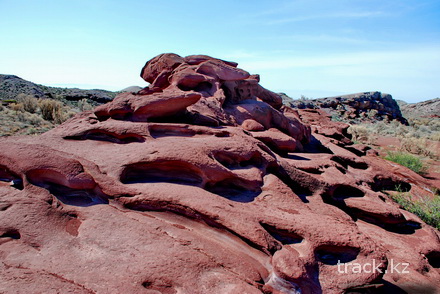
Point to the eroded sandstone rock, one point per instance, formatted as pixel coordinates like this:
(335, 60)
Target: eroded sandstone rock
(203, 183)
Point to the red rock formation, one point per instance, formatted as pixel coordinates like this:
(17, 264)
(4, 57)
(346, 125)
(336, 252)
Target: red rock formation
(204, 183)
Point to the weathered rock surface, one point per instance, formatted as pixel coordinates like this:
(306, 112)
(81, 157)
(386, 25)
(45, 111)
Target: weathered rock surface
(204, 183)
(365, 106)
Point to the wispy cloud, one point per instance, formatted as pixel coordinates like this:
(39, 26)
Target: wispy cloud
(338, 15)
(421, 57)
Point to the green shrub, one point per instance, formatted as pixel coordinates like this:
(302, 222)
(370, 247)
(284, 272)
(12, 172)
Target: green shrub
(427, 209)
(412, 162)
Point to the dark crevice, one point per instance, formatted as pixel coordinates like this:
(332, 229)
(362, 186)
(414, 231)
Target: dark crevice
(393, 225)
(294, 182)
(296, 157)
(13, 234)
(311, 170)
(332, 254)
(49, 180)
(284, 236)
(434, 259)
(388, 184)
(100, 135)
(234, 161)
(10, 177)
(167, 171)
(315, 146)
(345, 191)
(76, 197)
(379, 287)
(4, 206)
(234, 190)
(355, 151)
(157, 131)
(346, 162)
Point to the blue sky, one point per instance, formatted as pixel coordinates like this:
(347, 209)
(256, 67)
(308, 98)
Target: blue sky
(312, 48)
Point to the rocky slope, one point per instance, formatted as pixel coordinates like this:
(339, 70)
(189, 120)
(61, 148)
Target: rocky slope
(11, 86)
(205, 183)
(428, 109)
(364, 106)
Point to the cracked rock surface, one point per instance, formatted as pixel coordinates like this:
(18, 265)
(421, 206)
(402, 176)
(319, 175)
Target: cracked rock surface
(204, 183)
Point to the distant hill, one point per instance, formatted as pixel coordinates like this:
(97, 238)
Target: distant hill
(11, 86)
(428, 108)
(132, 89)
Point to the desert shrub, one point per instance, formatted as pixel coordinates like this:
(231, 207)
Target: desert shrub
(427, 209)
(435, 136)
(410, 161)
(18, 107)
(419, 146)
(372, 113)
(50, 109)
(84, 105)
(30, 103)
(59, 116)
(359, 133)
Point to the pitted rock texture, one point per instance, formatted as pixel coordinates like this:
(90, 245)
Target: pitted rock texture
(365, 106)
(204, 183)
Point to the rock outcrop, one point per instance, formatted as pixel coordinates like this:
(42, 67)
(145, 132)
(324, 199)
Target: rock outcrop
(204, 182)
(365, 106)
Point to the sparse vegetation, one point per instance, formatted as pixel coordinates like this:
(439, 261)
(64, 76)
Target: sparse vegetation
(29, 115)
(359, 133)
(29, 102)
(427, 209)
(412, 162)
